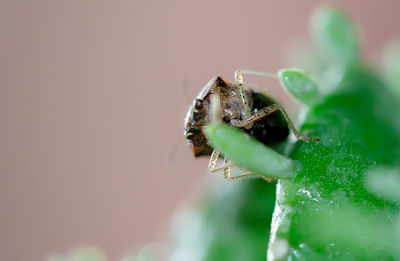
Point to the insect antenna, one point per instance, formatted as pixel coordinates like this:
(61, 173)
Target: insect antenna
(185, 89)
(172, 153)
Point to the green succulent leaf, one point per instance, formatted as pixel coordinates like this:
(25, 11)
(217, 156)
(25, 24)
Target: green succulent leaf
(384, 182)
(336, 36)
(247, 152)
(392, 66)
(300, 85)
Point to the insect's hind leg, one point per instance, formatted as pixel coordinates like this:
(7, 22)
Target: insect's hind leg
(266, 111)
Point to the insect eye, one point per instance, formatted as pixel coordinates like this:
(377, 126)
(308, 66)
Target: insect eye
(189, 135)
(198, 116)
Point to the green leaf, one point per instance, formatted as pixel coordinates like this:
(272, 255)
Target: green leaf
(336, 36)
(392, 66)
(247, 152)
(299, 84)
(363, 231)
(384, 182)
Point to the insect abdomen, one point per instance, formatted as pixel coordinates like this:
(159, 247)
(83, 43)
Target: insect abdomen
(270, 129)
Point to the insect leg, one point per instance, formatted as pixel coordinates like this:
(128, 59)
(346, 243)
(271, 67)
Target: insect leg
(244, 175)
(239, 84)
(264, 113)
(227, 175)
(239, 75)
(226, 166)
(213, 162)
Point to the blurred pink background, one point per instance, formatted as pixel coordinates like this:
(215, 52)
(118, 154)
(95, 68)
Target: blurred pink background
(92, 102)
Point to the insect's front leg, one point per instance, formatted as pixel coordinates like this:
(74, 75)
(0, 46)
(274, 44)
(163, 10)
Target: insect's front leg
(239, 84)
(239, 75)
(244, 175)
(213, 162)
(226, 166)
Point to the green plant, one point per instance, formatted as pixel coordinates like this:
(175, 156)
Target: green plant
(333, 197)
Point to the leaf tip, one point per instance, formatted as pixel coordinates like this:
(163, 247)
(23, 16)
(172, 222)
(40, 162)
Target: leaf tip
(299, 84)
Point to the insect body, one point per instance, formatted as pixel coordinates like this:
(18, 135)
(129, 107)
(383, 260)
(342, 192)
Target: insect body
(243, 108)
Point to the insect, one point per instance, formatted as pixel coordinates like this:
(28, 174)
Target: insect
(243, 108)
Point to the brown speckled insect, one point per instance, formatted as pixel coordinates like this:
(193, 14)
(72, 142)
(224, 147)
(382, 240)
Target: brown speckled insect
(242, 108)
